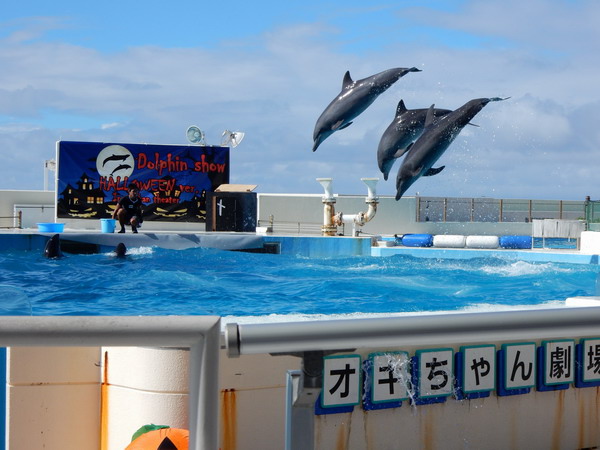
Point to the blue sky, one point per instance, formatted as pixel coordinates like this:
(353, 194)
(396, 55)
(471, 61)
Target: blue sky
(144, 71)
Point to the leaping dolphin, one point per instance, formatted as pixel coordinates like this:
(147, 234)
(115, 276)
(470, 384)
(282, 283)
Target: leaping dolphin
(435, 140)
(355, 97)
(52, 248)
(407, 126)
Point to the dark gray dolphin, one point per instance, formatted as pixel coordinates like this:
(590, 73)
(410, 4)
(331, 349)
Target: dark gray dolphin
(120, 250)
(407, 126)
(355, 97)
(52, 248)
(436, 138)
(115, 158)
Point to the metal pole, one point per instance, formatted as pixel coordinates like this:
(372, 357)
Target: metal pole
(411, 330)
(204, 390)
(560, 209)
(445, 208)
(472, 209)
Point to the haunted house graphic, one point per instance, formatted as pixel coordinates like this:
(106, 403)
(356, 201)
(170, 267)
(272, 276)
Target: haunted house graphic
(84, 201)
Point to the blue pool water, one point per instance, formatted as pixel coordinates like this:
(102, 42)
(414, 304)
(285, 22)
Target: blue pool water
(204, 281)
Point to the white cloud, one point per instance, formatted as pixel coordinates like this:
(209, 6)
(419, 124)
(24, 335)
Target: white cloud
(275, 85)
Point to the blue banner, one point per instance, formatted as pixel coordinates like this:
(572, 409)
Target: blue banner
(173, 179)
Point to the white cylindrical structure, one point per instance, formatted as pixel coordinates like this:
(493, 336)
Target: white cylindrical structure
(449, 240)
(488, 242)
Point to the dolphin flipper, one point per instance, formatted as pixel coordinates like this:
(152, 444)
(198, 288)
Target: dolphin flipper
(433, 171)
(401, 152)
(342, 127)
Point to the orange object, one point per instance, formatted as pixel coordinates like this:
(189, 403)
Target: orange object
(163, 439)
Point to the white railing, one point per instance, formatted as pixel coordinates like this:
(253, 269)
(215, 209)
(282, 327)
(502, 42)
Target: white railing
(410, 330)
(200, 333)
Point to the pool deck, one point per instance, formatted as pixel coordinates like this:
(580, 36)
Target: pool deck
(303, 245)
(529, 255)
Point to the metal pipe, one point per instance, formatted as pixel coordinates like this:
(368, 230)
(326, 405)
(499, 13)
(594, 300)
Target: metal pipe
(411, 330)
(200, 333)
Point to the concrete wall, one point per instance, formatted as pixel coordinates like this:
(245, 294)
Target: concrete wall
(293, 213)
(8, 200)
(83, 399)
(91, 398)
(393, 217)
(53, 398)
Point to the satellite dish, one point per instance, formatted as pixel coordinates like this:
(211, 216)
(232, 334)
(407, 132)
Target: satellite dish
(231, 138)
(195, 135)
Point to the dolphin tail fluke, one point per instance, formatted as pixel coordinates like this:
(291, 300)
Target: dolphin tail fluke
(433, 171)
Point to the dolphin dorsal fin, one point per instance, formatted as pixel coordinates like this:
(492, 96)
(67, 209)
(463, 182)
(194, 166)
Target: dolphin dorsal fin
(430, 116)
(347, 80)
(401, 108)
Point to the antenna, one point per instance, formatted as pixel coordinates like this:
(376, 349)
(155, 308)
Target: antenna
(195, 135)
(231, 138)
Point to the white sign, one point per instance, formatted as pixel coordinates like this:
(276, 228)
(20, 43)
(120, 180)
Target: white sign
(559, 362)
(436, 369)
(341, 381)
(479, 368)
(591, 360)
(390, 377)
(519, 360)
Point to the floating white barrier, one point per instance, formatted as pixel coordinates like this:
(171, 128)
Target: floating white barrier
(449, 240)
(483, 242)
